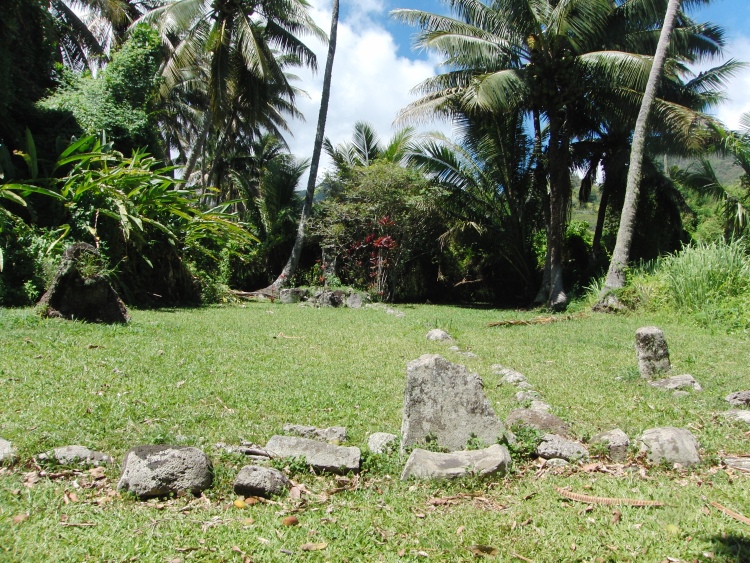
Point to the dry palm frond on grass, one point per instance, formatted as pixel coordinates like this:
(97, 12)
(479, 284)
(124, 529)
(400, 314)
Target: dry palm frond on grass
(732, 513)
(539, 320)
(607, 501)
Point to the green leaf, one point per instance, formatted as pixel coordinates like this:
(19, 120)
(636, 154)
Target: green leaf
(32, 161)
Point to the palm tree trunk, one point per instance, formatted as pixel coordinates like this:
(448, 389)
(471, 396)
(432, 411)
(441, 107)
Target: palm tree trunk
(559, 196)
(621, 255)
(201, 140)
(291, 265)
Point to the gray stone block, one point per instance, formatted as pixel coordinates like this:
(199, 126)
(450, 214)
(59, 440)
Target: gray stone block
(253, 480)
(652, 351)
(423, 464)
(669, 444)
(319, 455)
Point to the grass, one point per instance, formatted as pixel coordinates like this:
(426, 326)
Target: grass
(224, 374)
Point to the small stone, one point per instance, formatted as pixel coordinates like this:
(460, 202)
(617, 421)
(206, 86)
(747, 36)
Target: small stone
(7, 452)
(155, 471)
(331, 434)
(253, 480)
(556, 462)
(738, 463)
(741, 415)
(292, 295)
(539, 406)
(524, 396)
(469, 354)
(331, 298)
(382, 442)
(423, 464)
(554, 446)
(354, 301)
(680, 394)
(617, 442)
(454, 349)
(509, 376)
(437, 334)
(683, 381)
(673, 445)
(652, 351)
(739, 399)
(319, 455)
(538, 419)
(76, 455)
(524, 385)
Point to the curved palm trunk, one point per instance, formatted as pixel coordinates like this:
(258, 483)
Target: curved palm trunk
(198, 147)
(621, 255)
(291, 265)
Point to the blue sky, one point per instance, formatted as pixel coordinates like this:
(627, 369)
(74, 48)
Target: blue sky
(375, 67)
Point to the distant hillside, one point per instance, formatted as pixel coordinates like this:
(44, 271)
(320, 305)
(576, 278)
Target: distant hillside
(726, 170)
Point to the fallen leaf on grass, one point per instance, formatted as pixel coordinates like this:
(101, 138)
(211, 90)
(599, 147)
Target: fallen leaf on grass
(97, 473)
(31, 479)
(483, 550)
(736, 515)
(616, 515)
(460, 530)
(245, 556)
(313, 546)
(180, 384)
(20, 518)
(290, 521)
(264, 541)
(78, 524)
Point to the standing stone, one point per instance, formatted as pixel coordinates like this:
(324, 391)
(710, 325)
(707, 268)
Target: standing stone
(652, 352)
(739, 399)
(442, 400)
(7, 452)
(381, 442)
(354, 301)
(423, 464)
(318, 455)
(253, 480)
(331, 298)
(438, 334)
(156, 471)
(331, 434)
(80, 292)
(76, 455)
(617, 443)
(673, 445)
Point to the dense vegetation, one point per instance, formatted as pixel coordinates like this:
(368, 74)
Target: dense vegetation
(544, 101)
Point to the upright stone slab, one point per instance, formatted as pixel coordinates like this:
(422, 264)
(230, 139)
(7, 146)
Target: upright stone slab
(7, 452)
(673, 445)
(652, 351)
(444, 401)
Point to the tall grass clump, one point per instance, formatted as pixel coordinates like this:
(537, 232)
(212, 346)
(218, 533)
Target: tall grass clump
(710, 281)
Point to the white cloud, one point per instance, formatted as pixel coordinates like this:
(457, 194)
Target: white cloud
(370, 82)
(738, 87)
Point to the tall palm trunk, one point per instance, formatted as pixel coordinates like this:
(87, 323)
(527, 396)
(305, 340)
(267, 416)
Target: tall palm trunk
(198, 147)
(621, 255)
(291, 264)
(559, 198)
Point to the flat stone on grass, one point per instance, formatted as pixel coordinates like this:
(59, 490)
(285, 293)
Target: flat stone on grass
(318, 455)
(684, 381)
(741, 415)
(423, 464)
(671, 445)
(438, 334)
(253, 480)
(554, 446)
(157, 471)
(739, 399)
(443, 401)
(382, 442)
(509, 376)
(332, 434)
(7, 452)
(539, 420)
(76, 455)
(741, 463)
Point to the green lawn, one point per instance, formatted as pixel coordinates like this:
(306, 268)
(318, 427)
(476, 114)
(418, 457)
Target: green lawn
(225, 374)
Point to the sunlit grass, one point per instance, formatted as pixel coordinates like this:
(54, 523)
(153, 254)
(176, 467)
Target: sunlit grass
(197, 377)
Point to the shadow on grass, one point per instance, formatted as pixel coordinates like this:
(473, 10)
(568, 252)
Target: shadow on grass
(731, 547)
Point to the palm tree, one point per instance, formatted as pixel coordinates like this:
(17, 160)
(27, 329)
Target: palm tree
(616, 274)
(291, 265)
(366, 147)
(246, 47)
(544, 58)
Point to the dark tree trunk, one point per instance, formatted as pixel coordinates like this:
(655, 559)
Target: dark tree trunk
(559, 198)
(291, 265)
